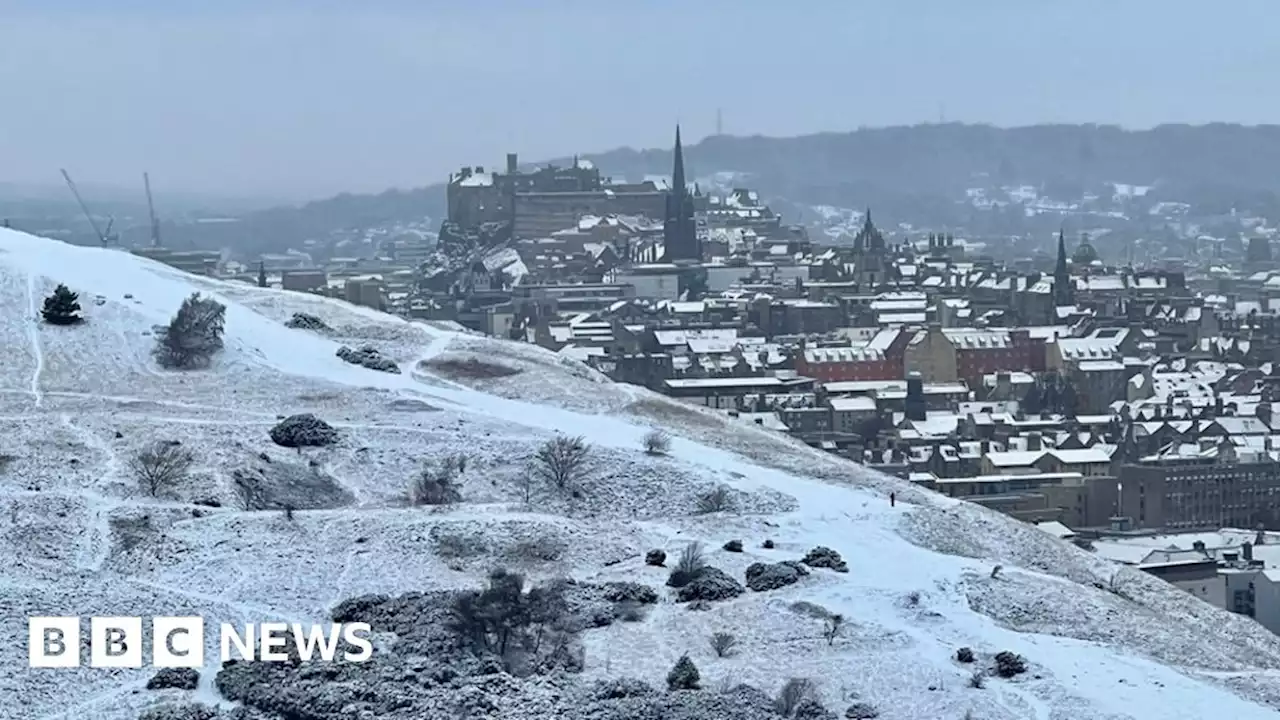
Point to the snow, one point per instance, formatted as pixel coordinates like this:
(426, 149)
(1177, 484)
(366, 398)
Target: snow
(80, 539)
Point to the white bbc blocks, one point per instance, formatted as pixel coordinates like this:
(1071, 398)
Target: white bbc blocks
(116, 642)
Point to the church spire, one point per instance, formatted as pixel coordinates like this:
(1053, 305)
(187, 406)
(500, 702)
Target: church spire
(677, 169)
(680, 231)
(1062, 291)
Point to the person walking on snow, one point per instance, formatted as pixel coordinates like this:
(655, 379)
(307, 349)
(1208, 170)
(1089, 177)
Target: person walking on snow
(893, 499)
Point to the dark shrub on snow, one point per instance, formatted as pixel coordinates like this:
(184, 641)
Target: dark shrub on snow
(305, 430)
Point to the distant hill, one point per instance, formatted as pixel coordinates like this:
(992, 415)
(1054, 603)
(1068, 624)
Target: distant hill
(919, 173)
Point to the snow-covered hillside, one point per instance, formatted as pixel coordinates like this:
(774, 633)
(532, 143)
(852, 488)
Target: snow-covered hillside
(78, 537)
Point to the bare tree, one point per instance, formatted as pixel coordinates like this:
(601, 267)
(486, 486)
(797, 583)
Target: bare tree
(834, 624)
(717, 500)
(438, 485)
(161, 465)
(562, 461)
(657, 442)
(796, 691)
(723, 644)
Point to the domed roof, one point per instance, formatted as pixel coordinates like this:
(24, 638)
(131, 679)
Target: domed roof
(1085, 253)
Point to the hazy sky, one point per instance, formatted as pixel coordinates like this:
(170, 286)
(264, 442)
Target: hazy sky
(311, 98)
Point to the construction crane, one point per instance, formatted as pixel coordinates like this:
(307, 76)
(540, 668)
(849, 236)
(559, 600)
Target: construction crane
(104, 237)
(151, 208)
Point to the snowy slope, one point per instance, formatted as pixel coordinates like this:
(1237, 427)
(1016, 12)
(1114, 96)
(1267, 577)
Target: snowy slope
(78, 538)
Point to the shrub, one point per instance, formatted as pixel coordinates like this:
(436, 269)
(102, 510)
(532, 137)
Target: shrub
(964, 655)
(161, 465)
(524, 630)
(764, 576)
(977, 681)
(913, 598)
(657, 442)
(861, 711)
(691, 563)
(811, 709)
(436, 485)
(710, 584)
(655, 557)
(768, 545)
(723, 644)
(832, 627)
(1009, 664)
(825, 557)
(368, 357)
(684, 675)
(304, 430)
(180, 678)
(193, 335)
(794, 692)
(303, 321)
(733, 546)
(562, 461)
(62, 307)
(717, 500)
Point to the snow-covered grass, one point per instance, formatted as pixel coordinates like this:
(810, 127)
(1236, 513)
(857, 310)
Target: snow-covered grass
(78, 537)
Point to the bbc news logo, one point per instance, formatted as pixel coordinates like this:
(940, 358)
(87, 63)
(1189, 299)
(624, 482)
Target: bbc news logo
(179, 642)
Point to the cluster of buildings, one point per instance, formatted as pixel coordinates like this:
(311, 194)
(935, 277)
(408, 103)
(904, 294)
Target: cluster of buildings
(1131, 410)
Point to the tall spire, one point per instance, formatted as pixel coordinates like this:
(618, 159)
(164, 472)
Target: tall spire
(1062, 291)
(680, 230)
(677, 170)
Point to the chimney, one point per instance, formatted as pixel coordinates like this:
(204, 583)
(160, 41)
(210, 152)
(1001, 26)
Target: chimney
(985, 445)
(1246, 551)
(1033, 442)
(512, 163)
(1004, 384)
(1264, 413)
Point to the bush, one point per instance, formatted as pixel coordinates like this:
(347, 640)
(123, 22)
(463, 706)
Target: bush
(562, 461)
(625, 591)
(161, 465)
(717, 500)
(794, 692)
(861, 711)
(656, 558)
(524, 630)
(657, 442)
(762, 576)
(977, 681)
(723, 644)
(180, 678)
(1009, 664)
(436, 485)
(825, 557)
(684, 675)
(964, 655)
(811, 709)
(687, 568)
(710, 584)
(733, 546)
(304, 430)
(193, 336)
(62, 307)
(303, 321)
(768, 545)
(368, 357)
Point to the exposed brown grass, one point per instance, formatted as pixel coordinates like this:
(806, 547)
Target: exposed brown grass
(471, 368)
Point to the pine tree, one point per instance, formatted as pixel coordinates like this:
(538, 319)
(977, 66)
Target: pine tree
(262, 274)
(62, 307)
(193, 336)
